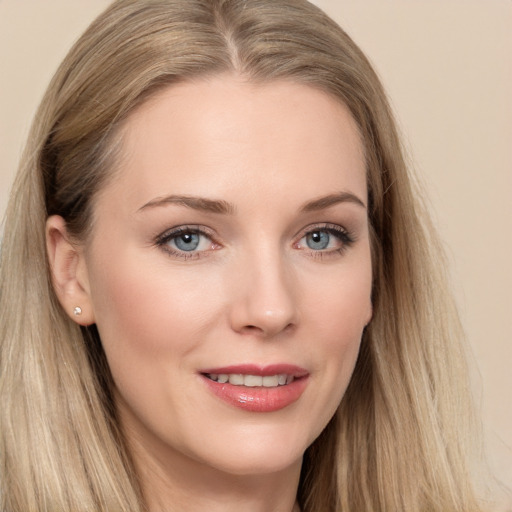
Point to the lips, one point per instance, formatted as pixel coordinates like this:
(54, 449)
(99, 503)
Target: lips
(257, 389)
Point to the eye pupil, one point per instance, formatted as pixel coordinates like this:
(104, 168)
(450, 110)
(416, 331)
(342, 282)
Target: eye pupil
(318, 240)
(187, 241)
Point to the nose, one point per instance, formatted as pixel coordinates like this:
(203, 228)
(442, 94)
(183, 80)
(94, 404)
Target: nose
(265, 302)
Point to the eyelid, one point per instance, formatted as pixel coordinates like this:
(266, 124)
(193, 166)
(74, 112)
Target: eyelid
(162, 240)
(346, 237)
(184, 228)
(323, 226)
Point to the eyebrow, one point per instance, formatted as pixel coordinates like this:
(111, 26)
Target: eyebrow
(196, 203)
(326, 201)
(223, 207)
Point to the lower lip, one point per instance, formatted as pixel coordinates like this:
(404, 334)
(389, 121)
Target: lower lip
(258, 399)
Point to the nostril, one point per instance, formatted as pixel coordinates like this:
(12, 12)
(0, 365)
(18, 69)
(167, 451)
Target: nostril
(252, 328)
(265, 332)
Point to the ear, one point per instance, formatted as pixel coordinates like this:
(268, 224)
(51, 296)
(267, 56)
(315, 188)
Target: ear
(69, 272)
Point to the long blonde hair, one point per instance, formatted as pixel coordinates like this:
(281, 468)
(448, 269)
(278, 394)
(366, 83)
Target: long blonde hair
(401, 437)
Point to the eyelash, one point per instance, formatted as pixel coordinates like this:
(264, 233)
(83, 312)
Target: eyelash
(345, 237)
(163, 240)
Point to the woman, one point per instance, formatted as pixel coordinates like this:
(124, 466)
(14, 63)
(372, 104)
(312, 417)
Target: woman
(219, 288)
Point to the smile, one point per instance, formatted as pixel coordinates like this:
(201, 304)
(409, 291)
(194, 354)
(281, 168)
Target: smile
(254, 388)
(252, 381)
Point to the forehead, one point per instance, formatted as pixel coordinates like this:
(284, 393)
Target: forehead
(224, 134)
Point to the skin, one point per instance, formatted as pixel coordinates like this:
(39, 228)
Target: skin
(254, 291)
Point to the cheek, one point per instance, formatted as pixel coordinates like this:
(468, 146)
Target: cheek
(343, 304)
(339, 315)
(150, 321)
(143, 310)
(339, 330)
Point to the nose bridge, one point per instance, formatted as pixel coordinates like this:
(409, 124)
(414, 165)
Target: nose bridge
(265, 301)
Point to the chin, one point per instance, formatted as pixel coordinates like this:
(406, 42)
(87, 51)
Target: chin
(259, 464)
(254, 452)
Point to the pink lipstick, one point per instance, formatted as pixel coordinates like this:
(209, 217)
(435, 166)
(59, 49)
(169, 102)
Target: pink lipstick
(257, 388)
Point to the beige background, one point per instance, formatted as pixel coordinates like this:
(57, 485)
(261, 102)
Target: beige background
(448, 69)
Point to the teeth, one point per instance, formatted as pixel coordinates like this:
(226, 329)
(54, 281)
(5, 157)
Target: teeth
(251, 381)
(237, 379)
(270, 381)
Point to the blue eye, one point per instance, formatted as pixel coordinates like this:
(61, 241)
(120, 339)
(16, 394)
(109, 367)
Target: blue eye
(318, 240)
(329, 239)
(187, 241)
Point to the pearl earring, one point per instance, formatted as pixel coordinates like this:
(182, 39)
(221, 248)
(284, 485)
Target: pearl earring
(77, 311)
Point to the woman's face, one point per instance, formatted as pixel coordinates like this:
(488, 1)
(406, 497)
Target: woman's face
(229, 272)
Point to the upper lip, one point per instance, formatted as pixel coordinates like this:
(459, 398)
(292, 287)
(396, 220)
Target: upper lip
(263, 371)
